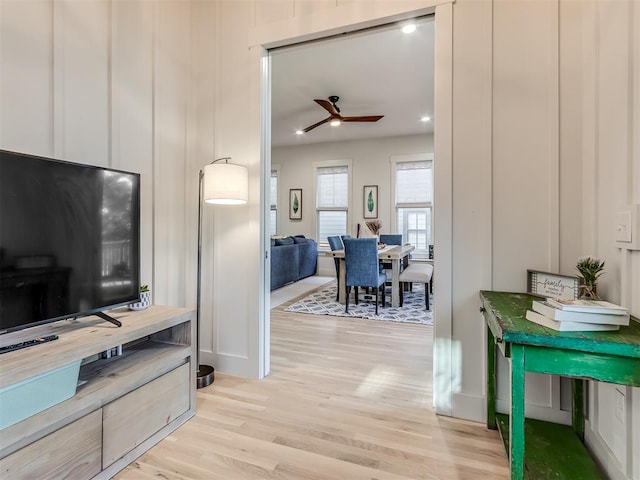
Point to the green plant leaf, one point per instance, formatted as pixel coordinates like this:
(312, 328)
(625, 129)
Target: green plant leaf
(296, 204)
(370, 204)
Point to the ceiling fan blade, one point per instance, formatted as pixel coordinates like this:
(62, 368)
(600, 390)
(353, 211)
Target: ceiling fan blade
(328, 106)
(369, 118)
(317, 124)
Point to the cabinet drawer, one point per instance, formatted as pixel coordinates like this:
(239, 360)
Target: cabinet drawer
(132, 419)
(69, 453)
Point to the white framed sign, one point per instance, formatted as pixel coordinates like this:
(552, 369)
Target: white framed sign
(552, 284)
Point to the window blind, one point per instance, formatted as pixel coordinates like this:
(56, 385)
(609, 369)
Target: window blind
(414, 183)
(332, 184)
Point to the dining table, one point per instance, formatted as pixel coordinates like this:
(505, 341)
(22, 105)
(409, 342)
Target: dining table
(397, 255)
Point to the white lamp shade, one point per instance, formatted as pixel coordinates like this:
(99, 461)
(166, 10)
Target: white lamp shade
(226, 184)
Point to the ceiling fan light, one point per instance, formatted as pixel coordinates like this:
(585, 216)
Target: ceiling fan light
(334, 119)
(409, 28)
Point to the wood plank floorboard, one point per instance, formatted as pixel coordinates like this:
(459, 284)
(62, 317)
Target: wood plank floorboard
(346, 399)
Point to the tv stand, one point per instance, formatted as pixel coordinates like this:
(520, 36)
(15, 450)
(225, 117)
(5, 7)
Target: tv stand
(108, 318)
(123, 405)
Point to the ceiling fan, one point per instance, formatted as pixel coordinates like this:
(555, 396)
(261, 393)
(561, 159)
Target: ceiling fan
(331, 107)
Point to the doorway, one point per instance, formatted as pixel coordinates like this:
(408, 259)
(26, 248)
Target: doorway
(443, 372)
(393, 77)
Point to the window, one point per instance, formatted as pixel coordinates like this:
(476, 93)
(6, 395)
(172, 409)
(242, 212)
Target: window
(413, 201)
(273, 213)
(332, 200)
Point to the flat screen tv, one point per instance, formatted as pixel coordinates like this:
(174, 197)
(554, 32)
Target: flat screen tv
(69, 240)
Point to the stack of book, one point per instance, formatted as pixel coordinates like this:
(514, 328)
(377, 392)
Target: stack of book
(578, 315)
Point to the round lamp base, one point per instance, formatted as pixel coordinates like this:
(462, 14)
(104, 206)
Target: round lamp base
(204, 376)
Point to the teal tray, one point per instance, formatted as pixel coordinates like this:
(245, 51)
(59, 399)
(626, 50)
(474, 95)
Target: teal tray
(28, 397)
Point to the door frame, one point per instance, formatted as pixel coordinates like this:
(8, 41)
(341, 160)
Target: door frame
(288, 33)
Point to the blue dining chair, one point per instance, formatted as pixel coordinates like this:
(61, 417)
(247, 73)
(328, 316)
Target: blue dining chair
(390, 239)
(361, 264)
(335, 243)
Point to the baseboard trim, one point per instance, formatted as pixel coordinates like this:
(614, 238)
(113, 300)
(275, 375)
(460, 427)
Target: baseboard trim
(468, 407)
(603, 454)
(537, 412)
(473, 407)
(228, 364)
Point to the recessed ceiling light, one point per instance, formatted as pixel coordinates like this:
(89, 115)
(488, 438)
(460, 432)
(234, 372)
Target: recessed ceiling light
(409, 28)
(299, 132)
(334, 123)
(425, 119)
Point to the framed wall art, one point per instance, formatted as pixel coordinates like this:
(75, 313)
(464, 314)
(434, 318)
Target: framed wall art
(370, 201)
(552, 284)
(295, 204)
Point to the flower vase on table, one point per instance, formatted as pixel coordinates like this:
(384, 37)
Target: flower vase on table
(589, 292)
(590, 268)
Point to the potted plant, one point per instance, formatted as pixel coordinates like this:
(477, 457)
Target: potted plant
(590, 268)
(145, 299)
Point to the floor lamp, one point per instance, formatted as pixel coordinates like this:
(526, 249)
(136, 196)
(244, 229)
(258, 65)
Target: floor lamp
(223, 184)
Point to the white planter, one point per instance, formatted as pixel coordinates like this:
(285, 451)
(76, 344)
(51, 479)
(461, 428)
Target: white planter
(145, 301)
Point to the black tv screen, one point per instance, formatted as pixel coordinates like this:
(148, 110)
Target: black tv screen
(69, 239)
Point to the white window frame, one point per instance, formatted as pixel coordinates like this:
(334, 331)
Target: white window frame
(347, 162)
(394, 160)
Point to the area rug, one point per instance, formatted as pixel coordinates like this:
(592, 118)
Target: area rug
(323, 302)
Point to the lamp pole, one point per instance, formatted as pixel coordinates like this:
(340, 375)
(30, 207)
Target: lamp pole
(205, 373)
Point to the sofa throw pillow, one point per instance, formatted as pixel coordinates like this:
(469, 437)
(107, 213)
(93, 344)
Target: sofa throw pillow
(284, 241)
(299, 239)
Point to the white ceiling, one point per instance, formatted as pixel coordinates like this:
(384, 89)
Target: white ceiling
(376, 72)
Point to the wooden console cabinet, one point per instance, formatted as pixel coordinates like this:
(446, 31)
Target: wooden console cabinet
(123, 405)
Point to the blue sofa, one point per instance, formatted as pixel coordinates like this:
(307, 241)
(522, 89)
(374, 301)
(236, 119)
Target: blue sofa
(292, 258)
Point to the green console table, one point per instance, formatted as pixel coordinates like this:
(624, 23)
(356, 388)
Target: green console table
(552, 450)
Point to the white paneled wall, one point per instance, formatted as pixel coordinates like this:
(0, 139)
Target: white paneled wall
(546, 148)
(202, 134)
(132, 125)
(471, 211)
(536, 168)
(571, 51)
(525, 161)
(26, 77)
(107, 83)
(82, 85)
(611, 146)
(171, 77)
(526, 165)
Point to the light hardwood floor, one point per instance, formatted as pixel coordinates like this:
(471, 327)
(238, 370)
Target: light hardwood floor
(346, 399)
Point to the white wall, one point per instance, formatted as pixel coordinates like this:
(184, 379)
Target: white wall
(611, 180)
(107, 83)
(536, 168)
(546, 148)
(371, 165)
(526, 191)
